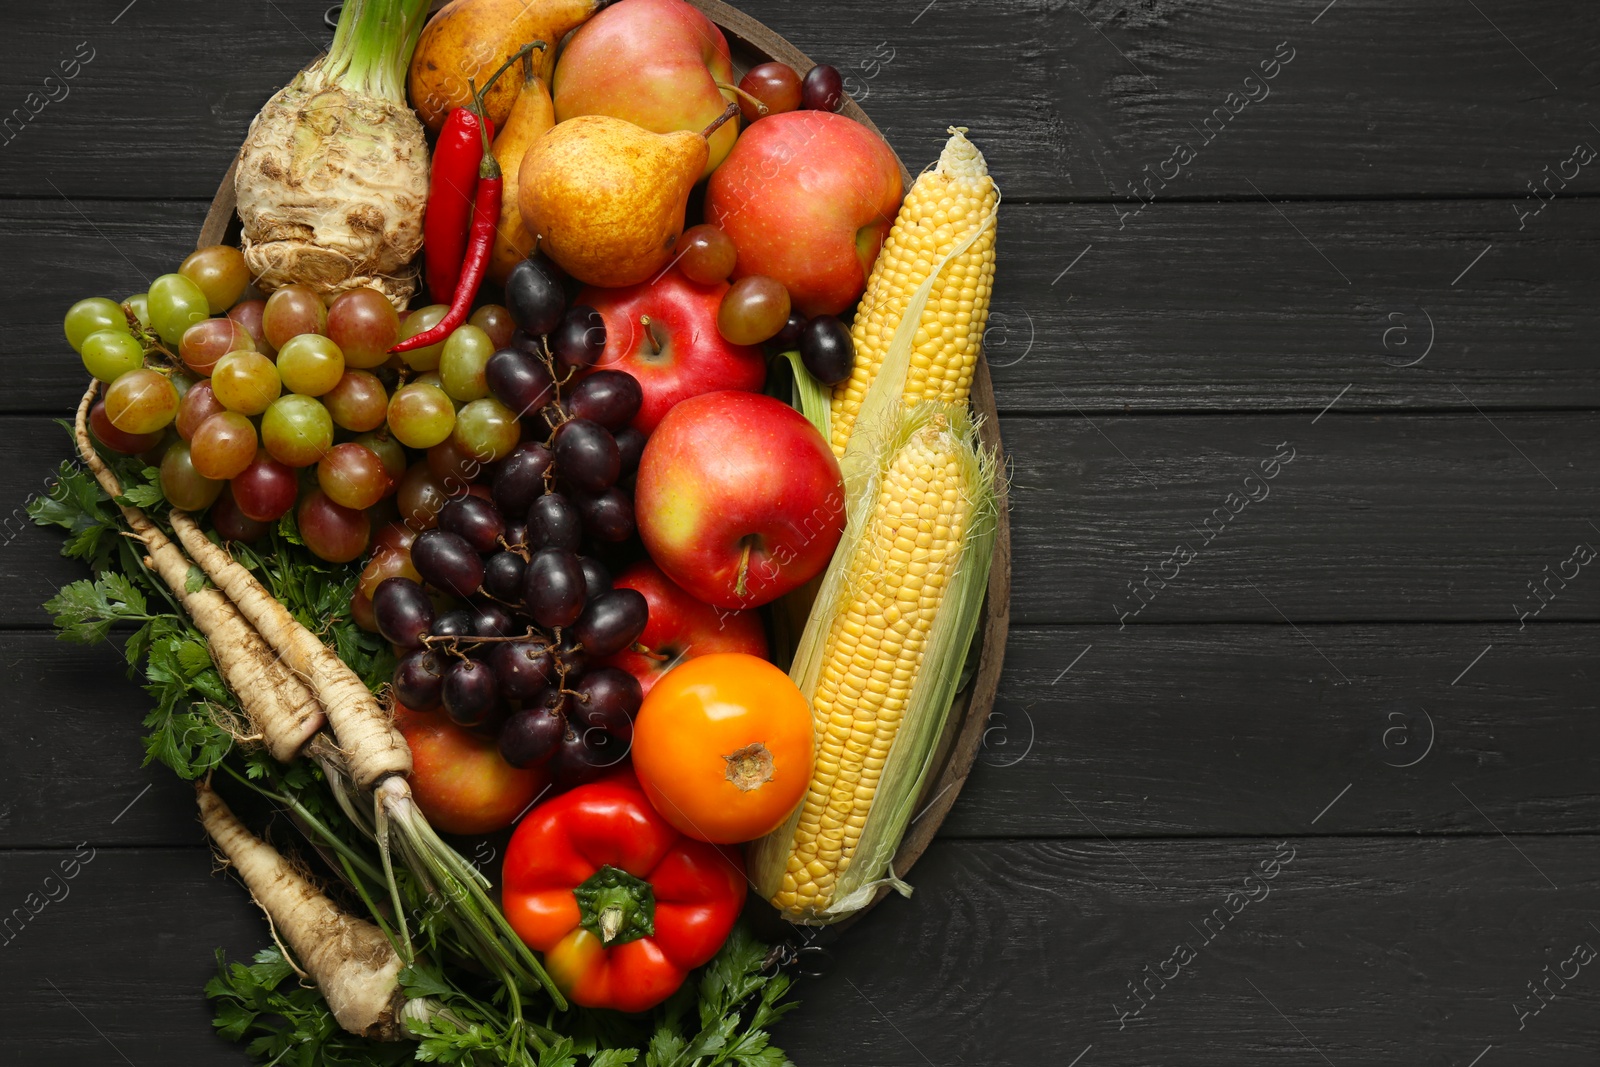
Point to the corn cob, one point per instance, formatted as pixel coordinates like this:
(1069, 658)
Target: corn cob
(946, 229)
(880, 657)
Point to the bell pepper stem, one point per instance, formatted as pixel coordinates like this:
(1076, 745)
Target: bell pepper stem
(616, 906)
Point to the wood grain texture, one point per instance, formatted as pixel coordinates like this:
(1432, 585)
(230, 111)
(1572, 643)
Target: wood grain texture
(1138, 388)
(1189, 307)
(1222, 307)
(1377, 518)
(1069, 100)
(1156, 731)
(112, 972)
(1215, 730)
(1380, 951)
(71, 754)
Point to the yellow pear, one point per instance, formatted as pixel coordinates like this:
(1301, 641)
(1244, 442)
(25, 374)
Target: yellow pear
(532, 116)
(606, 198)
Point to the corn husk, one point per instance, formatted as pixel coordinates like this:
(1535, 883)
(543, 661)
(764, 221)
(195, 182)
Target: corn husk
(938, 676)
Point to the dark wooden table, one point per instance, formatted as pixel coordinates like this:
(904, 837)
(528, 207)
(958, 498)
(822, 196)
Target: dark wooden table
(1295, 758)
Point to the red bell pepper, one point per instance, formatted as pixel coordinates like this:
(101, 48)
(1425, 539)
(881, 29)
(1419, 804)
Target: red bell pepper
(622, 905)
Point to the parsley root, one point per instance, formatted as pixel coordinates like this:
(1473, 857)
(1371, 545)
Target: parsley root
(279, 706)
(355, 967)
(373, 747)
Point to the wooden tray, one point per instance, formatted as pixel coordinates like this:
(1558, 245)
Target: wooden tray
(753, 43)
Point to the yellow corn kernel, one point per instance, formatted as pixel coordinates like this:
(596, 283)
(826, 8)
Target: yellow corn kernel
(943, 207)
(894, 586)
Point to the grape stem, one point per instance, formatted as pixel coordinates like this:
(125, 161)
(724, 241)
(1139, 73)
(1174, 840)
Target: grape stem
(151, 343)
(516, 550)
(761, 109)
(451, 641)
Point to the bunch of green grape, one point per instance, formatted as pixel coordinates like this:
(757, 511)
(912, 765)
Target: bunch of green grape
(252, 407)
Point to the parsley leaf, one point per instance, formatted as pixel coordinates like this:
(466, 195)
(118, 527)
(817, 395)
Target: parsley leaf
(85, 610)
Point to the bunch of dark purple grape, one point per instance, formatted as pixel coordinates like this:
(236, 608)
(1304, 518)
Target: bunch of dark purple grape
(517, 610)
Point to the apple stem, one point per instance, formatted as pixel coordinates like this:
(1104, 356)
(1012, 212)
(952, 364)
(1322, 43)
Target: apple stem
(656, 343)
(649, 653)
(761, 109)
(739, 587)
(729, 112)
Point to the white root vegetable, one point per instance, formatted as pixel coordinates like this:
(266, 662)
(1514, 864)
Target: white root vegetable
(333, 175)
(279, 706)
(373, 748)
(355, 967)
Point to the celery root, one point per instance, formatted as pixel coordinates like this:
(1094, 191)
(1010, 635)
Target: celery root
(355, 967)
(279, 706)
(333, 175)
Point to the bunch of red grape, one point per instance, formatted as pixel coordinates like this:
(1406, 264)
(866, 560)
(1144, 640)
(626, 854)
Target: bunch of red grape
(501, 606)
(252, 406)
(492, 466)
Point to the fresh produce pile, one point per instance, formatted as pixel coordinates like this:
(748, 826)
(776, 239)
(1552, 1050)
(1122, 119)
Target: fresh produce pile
(659, 539)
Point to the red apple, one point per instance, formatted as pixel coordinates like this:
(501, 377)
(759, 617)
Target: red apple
(459, 780)
(681, 627)
(808, 198)
(664, 333)
(739, 499)
(655, 63)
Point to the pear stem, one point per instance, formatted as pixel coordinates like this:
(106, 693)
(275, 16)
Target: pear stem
(523, 53)
(761, 109)
(729, 112)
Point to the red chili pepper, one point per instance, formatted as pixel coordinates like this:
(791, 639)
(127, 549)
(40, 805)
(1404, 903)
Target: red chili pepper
(475, 263)
(457, 159)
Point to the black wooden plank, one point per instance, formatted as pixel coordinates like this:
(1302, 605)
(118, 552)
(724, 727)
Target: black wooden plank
(1153, 731)
(1190, 307)
(70, 752)
(1377, 518)
(31, 566)
(1212, 730)
(111, 970)
(1360, 109)
(1068, 100)
(59, 253)
(162, 103)
(1365, 951)
(1377, 950)
(1233, 306)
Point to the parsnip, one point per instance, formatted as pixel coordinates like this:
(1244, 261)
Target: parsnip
(355, 967)
(279, 706)
(373, 747)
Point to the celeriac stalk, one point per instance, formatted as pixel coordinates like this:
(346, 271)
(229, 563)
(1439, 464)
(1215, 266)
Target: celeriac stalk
(333, 175)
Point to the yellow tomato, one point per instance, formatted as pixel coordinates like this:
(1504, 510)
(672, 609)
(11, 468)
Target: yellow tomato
(723, 747)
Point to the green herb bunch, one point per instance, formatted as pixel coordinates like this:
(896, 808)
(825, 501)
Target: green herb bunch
(195, 728)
